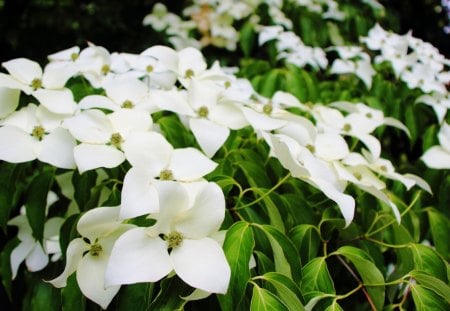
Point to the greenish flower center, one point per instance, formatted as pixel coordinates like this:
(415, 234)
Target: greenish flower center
(347, 127)
(174, 239)
(149, 68)
(74, 56)
(96, 249)
(369, 115)
(36, 84)
(311, 148)
(128, 104)
(203, 112)
(166, 175)
(383, 168)
(38, 132)
(189, 73)
(116, 140)
(267, 109)
(105, 69)
(227, 84)
(357, 175)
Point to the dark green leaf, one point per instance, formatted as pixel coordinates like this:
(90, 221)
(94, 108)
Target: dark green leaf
(262, 300)
(440, 231)
(169, 297)
(71, 297)
(316, 277)
(288, 292)
(83, 185)
(434, 284)
(428, 260)
(307, 240)
(247, 38)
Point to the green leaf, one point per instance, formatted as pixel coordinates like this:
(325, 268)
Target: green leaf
(36, 201)
(316, 277)
(295, 84)
(269, 83)
(425, 299)
(175, 132)
(368, 271)
(334, 307)
(169, 297)
(134, 297)
(5, 265)
(247, 38)
(255, 173)
(285, 255)
(238, 247)
(83, 184)
(68, 232)
(428, 260)
(7, 188)
(434, 284)
(262, 300)
(71, 297)
(288, 292)
(440, 231)
(307, 240)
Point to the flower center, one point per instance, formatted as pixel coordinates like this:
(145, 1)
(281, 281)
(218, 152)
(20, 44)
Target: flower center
(116, 140)
(203, 112)
(369, 115)
(174, 239)
(36, 84)
(128, 104)
(38, 132)
(267, 109)
(357, 175)
(166, 175)
(347, 127)
(189, 73)
(96, 249)
(149, 68)
(105, 69)
(311, 148)
(74, 56)
(227, 84)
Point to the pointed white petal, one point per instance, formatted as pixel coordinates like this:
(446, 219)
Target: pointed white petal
(189, 164)
(9, 82)
(139, 195)
(19, 254)
(172, 100)
(74, 254)
(372, 143)
(91, 279)
(437, 157)
(56, 75)
(90, 126)
(331, 146)
(210, 136)
(396, 123)
(23, 69)
(99, 222)
(202, 264)
(16, 146)
(205, 216)
(97, 101)
(37, 259)
(121, 90)
(136, 257)
(57, 149)
(261, 121)
(88, 157)
(9, 99)
(57, 101)
(229, 115)
(127, 121)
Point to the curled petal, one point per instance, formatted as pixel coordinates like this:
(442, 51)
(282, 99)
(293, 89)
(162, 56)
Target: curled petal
(88, 157)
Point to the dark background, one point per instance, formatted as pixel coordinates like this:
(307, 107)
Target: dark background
(36, 28)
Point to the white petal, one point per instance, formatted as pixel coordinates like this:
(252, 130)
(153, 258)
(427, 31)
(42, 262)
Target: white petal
(189, 164)
(19, 254)
(261, 121)
(437, 157)
(331, 146)
(57, 101)
(91, 279)
(190, 59)
(139, 195)
(202, 93)
(172, 100)
(206, 215)
(98, 222)
(210, 136)
(126, 121)
(37, 259)
(121, 90)
(56, 75)
(166, 56)
(9, 99)
(88, 157)
(148, 150)
(229, 115)
(90, 126)
(9, 82)
(23, 69)
(202, 264)
(57, 149)
(396, 123)
(137, 257)
(97, 101)
(74, 254)
(372, 143)
(16, 146)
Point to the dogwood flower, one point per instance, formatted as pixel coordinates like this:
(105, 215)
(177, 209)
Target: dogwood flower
(438, 157)
(142, 255)
(9, 99)
(89, 255)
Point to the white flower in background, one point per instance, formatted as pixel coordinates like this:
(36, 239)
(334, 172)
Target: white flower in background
(46, 86)
(438, 101)
(160, 18)
(424, 77)
(438, 157)
(102, 136)
(186, 246)
(29, 249)
(89, 254)
(353, 60)
(34, 132)
(269, 33)
(9, 100)
(154, 159)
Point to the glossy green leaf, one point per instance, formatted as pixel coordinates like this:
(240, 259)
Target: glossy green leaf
(334, 307)
(371, 277)
(169, 296)
(434, 284)
(36, 201)
(440, 231)
(134, 297)
(425, 299)
(238, 247)
(316, 277)
(288, 292)
(428, 260)
(5, 265)
(247, 38)
(285, 255)
(71, 297)
(83, 185)
(264, 300)
(7, 188)
(269, 83)
(307, 240)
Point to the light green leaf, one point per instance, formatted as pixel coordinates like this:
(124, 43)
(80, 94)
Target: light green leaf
(262, 300)
(307, 240)
(288, 292)
(371, 277)
(428, 260)
(238, 247)
(314, 298)
(433, 284)
(440, 231)
(316, 277)
(334, 307)
(425, 299)
(247, 38)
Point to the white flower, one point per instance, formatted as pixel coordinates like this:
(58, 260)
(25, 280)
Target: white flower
(141, 255)
(438, 101)
(89, 255)
(438, 157)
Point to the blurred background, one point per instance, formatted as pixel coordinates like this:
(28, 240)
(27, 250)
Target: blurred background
(36, 28)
